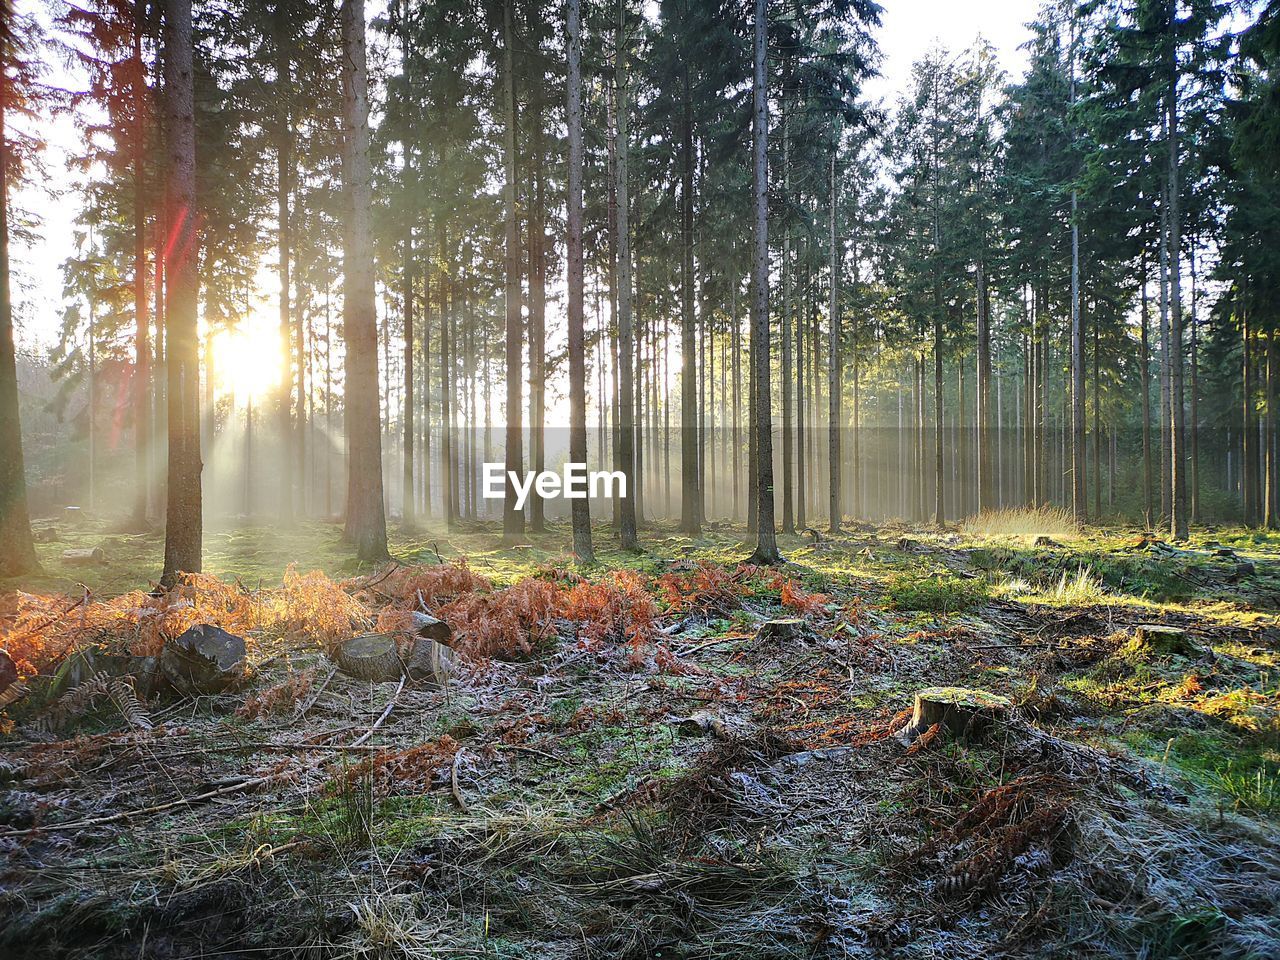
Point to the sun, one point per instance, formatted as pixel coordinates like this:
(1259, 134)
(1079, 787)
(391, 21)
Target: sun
(246, 364)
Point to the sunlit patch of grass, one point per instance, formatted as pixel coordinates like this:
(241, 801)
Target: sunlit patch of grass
(1257, 791)
(1029, 522)
(938, 594)
(1083, 589)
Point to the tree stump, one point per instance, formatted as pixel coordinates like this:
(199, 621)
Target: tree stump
(11, 687)
(1160, 639)
(430, 628)
(376, 657)
(83, 556)
(957, 710)
(787, 628)
(205, 659)
(430, 663)
(370, 656)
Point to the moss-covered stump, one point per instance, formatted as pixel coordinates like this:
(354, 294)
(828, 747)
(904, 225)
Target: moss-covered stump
(957, 710)
(205, 659)
(1156, 638)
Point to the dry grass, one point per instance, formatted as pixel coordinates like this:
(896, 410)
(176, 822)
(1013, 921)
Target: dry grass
(1027, 522)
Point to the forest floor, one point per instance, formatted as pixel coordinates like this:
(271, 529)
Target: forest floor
(655, 768)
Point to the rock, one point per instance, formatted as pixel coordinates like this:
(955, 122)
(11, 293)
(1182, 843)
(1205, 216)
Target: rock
(78, 556)
(699, 723)
(787, 628)
(1161, 639)
(958, 710)
(205, 659)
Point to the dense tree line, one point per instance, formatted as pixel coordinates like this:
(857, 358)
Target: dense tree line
(751, 288)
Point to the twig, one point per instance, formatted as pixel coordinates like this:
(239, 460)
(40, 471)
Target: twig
(385, 713)
(312, 702)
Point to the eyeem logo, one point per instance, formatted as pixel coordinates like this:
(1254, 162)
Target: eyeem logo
(574, 482)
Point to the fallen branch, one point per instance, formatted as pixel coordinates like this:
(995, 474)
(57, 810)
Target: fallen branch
(385, 713)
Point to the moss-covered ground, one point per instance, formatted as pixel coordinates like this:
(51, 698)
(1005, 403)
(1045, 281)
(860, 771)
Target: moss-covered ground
(741, 795)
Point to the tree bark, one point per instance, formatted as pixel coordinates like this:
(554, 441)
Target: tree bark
(766, 551)
(835, 509)
(183, 521)
(580, 508)
(512, 519)
(626, 332)
(366, 526)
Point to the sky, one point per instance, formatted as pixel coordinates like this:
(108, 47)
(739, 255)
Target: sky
(908, 29)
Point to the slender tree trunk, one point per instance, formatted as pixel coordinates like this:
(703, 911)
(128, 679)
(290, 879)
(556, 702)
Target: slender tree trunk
(184, 522)
(284, 186)
(626, 331)
(788, 467)
(366, 526)
(580, 508)
(141, 306)
(17, 549)
(835, 508)
(1145, 374)
(408, 497)
(690, 521)
(766, 551)
(537, 317)
(1272, 499)
(512, 519)
(1079, 474)
(1179, 526)
(1248, 431)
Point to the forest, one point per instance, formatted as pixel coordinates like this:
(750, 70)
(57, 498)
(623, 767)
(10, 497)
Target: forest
(639, 478)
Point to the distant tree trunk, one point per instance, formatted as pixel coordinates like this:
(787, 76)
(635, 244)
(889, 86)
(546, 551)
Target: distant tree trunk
(141, 305)
(366, 525)
(512, 519)
(1193, 427)
(1166, 365)
(766, 551)
(690, 521)
(986, 475)
(183, 521)
(284, 174)
(626, 331)
(788, 467)
(537, 312)
(1248, 429)
(408, 496)
(736, 429)
(835, 510)
(1097, 420)
(580, 508)
(17, 550)
(1079, 490)
(1272, 466)
(1145, 374)
(1179, 526)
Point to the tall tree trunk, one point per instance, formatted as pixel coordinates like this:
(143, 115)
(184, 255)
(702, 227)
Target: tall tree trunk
(690, 521)
(580, 508)
(284, 175)
(766, 551)
(1079, 475)
(1145, 374)
(788, 468)
(17, 549)
(183, 522)
(512, 519)
(537, 310)
(626, 332)
(1178, 520)
(835, 508)
(366, 526)
(141, 306)
(1248, 429)
(986, 486)
(408, 498)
